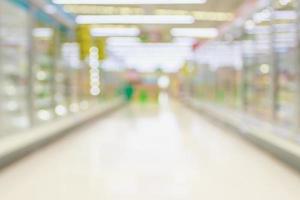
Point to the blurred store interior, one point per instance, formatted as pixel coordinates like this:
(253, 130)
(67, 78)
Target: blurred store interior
(149, 99)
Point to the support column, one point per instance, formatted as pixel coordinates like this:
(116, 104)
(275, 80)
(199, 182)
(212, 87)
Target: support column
(1, 80)
(56, 57)
(274, 89)
(244, 83)
(297, 102)
(30, 96)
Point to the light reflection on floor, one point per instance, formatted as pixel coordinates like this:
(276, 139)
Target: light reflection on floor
(147, 152)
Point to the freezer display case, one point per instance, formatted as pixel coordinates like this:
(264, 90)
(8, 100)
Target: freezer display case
(285, 49)
(43, 71)
(65, 59)
(258, 63)
(219, 79)
(13, 67)
(72, 63)
(228, 73)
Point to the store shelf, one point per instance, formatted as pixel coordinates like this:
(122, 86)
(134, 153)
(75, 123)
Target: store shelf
(277, 140)
(19, 145)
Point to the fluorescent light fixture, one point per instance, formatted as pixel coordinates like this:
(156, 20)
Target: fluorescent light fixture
(284, 2)
(249, 25)
(134, 19)
(104, 10)
(130, 2)
(122, 40)
(262, 16)
(42, 32)
(50, 9)
(184, 40)
(195, 32)
(285, 15)
(106, 32)
(139, 10)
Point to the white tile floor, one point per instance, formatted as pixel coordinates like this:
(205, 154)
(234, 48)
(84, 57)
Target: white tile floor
(150, 153)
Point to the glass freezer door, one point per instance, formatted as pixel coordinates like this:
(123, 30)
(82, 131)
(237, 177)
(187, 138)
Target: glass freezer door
(13, 67)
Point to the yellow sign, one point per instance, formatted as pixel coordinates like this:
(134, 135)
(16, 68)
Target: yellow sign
(101, 44)
(85, 40)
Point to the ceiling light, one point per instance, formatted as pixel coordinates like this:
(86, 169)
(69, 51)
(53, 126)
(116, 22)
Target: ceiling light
(249, 25)
(195, 32)
(262, 16)
(122, 40)
(284, 2)
(285, 15)
(50, 9)
(42, 32)
(106, 32)
(184, 40)
(213, 16)
(134, 19)
(130, 2)
(103, 10)
(199, 15)
(121, 10)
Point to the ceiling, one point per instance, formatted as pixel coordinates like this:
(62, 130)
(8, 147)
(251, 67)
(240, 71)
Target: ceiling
(164, 53)
(211, 14)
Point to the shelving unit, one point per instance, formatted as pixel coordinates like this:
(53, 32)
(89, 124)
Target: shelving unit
(43, 68)
(14, 66)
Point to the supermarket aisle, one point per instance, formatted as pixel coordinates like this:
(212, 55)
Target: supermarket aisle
(147, 152)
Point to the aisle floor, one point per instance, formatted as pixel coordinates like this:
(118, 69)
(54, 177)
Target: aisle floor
(150, 152)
